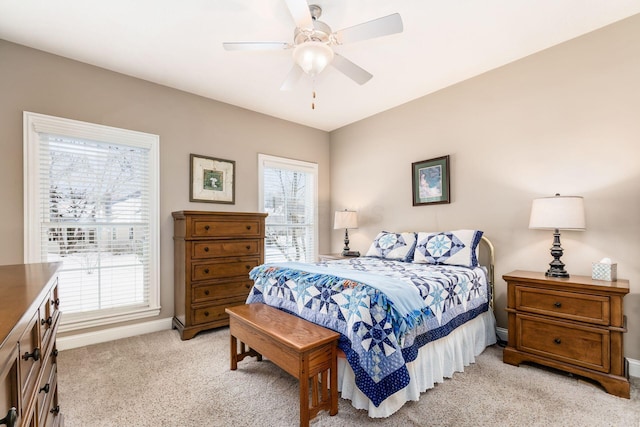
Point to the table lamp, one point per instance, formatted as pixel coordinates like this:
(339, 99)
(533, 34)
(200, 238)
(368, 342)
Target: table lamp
(346, 219)
(557, 213)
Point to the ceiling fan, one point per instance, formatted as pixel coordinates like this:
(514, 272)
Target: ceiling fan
(313, 42)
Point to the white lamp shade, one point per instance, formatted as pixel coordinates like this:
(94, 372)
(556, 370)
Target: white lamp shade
(558, 212)
(345, 219)
(313, 56)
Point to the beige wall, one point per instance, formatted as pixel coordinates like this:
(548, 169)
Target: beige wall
(35, 81)
(564, 120)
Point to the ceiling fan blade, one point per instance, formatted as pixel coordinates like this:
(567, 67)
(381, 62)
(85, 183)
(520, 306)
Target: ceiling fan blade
(292, 78)
(384, 26)
(351, 70)
(255, 45)
(300, 12)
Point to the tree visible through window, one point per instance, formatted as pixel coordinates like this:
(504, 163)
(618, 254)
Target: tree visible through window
(289, 196)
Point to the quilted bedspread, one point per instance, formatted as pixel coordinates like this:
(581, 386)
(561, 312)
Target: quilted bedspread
(378, 333)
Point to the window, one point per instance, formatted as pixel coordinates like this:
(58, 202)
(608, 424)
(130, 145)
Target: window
(91, 202)
(288, 193)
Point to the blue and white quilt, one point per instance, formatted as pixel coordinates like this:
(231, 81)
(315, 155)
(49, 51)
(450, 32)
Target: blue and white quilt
(384, 310)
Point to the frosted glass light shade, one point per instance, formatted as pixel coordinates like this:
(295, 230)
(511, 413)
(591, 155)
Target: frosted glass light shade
(558, 212)
(312, 56)
(345, 219)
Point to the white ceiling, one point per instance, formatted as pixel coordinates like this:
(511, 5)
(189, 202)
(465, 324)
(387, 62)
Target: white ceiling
(179, 44)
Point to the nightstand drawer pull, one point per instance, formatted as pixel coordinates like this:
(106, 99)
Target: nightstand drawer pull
(206, 248)
(557, 305)
(206, 227)
(557, 341)
(248, 227)
(206, 292)
(206, 271)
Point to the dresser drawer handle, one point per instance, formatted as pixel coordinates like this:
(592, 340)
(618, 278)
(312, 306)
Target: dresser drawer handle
(248, 247)
(206, 292)
(206, 227)
(55, 410)
(206, 314)
(248, 227)
(54, 353)
(248, 267)
(206, 271)
(35, 355)
(206, 248)
(557, 305)
(557, 341)
(55, 302)
(11, 420)
(45, 388)
(48, 321)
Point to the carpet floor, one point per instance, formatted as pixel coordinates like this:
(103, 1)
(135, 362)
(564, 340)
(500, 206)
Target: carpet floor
(158, 380)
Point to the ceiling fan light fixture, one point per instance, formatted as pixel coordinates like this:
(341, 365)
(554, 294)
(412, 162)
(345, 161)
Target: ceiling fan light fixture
(313, 56)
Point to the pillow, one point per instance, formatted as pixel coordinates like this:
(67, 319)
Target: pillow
(395, 246)
(458, 247)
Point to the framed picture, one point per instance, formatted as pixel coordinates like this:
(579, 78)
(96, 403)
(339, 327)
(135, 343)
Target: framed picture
(430, 179)
(212, 180)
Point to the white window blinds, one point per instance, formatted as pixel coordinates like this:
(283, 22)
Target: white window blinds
(288, 193)
(95, 206)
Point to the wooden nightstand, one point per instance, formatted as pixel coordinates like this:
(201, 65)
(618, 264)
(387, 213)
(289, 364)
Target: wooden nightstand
(329, 257)
(573, 324)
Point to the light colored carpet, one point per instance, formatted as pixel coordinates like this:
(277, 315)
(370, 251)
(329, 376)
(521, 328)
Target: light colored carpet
(158, 380)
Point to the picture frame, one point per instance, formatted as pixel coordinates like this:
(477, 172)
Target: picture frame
(430, 180)
(213, 180)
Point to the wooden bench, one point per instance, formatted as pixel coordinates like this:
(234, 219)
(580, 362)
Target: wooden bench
(301, 348)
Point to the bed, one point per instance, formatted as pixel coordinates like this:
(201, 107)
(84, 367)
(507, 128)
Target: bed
(414, 310)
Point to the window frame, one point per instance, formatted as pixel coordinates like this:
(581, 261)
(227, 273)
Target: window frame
(35, 123)
(266, 160)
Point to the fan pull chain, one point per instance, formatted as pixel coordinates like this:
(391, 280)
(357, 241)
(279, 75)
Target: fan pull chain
(313, 96)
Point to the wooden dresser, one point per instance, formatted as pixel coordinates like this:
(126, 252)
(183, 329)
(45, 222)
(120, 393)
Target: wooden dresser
(574, 324)
(28, 324)
(213, 255)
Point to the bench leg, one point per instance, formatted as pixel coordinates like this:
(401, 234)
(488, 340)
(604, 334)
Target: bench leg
(304, 401)
(233, 344)
(333, 383)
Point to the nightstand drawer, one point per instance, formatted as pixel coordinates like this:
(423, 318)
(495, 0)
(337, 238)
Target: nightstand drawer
(571, 343)
(566, 305)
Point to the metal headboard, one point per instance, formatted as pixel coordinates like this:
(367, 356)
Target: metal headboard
(491, 261)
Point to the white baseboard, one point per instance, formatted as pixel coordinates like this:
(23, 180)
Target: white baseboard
(110, 334)
(634, 365)
(502, 333)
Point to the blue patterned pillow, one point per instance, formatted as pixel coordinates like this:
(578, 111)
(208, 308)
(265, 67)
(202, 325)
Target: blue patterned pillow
(458, 247)
(396, 246)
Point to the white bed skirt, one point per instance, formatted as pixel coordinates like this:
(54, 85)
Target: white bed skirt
(435, 362)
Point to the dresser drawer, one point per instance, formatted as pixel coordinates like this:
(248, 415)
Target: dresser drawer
(219, 270)
(30, 358)
(566, 305)
(213, 227)
(215, 312)
(225, 248)
(567, 342)
(221, 291)
(47, 387)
